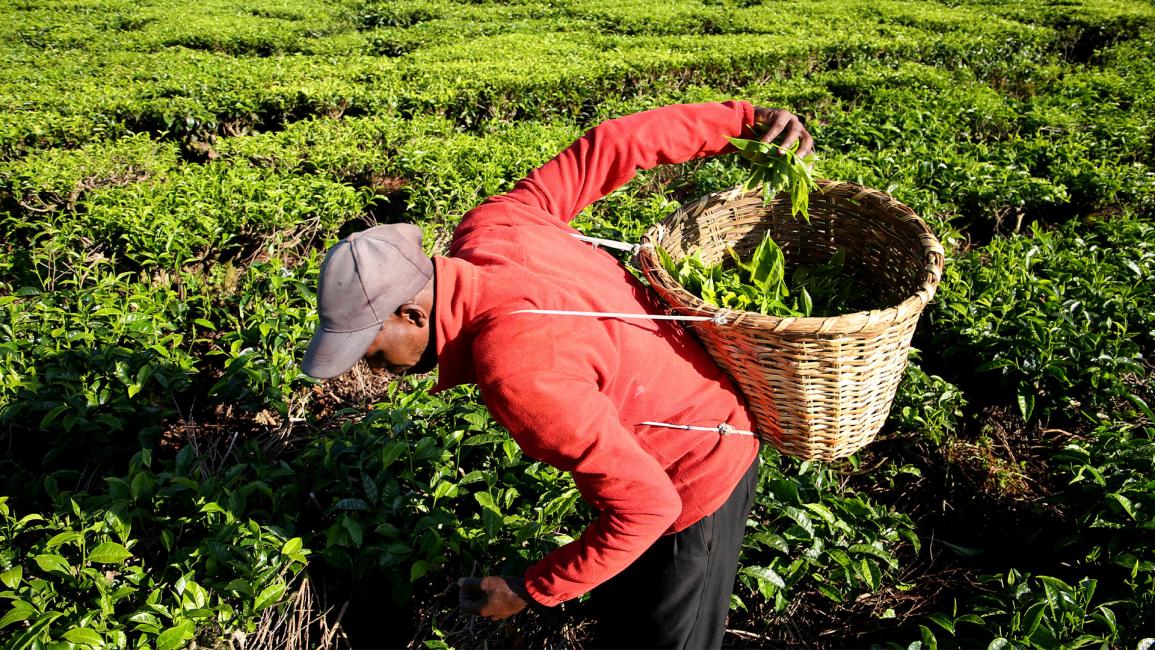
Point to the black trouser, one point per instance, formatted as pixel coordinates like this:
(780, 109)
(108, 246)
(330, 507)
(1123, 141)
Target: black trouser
(677, 594)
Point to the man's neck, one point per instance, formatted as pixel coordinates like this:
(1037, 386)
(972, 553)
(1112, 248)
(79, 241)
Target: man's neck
(451, 335)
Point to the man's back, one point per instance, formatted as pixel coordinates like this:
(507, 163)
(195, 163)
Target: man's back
(574, 390)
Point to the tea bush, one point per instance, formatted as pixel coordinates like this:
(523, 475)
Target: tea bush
(427, 484)
(93, 574)
(89, 354)
(1060, 318)
(1109, 494)
(927, 405)
(1106, 594)
(809, 533)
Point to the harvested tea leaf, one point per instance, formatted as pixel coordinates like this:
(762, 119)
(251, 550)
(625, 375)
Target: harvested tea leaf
(759, 283)
(778, 169)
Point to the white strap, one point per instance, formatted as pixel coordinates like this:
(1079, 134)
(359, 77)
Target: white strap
(608, 243)
(718, 319)
(722, 429)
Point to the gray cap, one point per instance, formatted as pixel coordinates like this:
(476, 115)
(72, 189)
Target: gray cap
(364, 279)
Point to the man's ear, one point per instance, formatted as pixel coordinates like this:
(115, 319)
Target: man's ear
(413, 313)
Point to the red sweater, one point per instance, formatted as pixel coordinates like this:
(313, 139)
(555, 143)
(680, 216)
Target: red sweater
(573, 390)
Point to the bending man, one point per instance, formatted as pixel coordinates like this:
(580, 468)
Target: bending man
(662, 553)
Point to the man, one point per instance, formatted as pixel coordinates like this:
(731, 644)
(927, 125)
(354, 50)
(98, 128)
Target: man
(662, 553)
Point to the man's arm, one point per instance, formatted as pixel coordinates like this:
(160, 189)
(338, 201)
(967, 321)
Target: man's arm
(610, 154)
(562, 419)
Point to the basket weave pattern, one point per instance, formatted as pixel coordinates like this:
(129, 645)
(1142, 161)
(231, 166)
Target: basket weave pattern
(819, 388)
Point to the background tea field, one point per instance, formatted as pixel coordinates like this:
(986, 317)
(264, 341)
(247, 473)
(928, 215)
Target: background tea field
(171, 174)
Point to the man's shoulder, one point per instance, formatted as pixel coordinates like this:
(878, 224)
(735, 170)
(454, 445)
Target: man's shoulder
(500, 214)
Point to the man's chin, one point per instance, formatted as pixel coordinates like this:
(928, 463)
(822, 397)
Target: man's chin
(420, 368)
(424, 365)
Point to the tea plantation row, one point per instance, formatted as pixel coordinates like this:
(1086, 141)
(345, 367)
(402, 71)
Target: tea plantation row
(170, 175)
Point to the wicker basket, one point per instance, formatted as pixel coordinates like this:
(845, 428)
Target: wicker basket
(819, 388)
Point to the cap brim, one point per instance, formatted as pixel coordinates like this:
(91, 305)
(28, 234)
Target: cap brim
(334, 353)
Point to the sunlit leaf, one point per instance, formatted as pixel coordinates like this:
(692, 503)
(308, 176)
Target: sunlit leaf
(109, 553)
(269, 596)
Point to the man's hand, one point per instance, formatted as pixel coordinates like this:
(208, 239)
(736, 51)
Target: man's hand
(494, 597)
(785, 127)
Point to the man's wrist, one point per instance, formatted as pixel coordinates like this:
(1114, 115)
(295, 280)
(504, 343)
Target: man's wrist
(517, 586)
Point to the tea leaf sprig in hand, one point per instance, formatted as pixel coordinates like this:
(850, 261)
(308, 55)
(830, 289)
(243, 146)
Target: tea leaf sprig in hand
(778, 170)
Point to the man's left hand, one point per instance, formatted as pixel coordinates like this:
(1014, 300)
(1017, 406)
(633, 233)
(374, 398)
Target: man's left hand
(783, 127)
(494, 597)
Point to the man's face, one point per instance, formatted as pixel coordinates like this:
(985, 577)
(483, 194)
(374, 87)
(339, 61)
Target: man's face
(402, 346)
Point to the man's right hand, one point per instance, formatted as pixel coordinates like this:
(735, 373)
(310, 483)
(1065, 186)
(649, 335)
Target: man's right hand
(783, 128)
(493, 597)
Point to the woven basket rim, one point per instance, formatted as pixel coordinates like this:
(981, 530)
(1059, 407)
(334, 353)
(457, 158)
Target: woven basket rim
(851, 323)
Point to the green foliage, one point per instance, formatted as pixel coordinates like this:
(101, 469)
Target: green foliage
(170, 174)
(927, 404)
(1112, 503)
(1021, 611)
(80, 575)
(810, 534)
(87, 352)
(431, 485)
(1107, 494)
(258, 332)
(1060, 317)
(208, 211)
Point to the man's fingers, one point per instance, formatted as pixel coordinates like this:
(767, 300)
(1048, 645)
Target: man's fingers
(470, 596)
(471, 603)
(778, 121)
(807, 145)
(790, 134)
(783, 128)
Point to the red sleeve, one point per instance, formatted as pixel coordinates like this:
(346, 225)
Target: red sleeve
(610, 154)
(563, 420)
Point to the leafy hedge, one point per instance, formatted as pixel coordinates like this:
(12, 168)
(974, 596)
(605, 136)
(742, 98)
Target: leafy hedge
(170, 176)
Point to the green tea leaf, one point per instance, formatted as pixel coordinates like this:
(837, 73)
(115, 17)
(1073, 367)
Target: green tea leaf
(63, 538)
(84, 635)
(109, 553)
(1026, 399)
(354, 530)
(269, 596)
(11, 577)
(32, 634)
(485, 500)
(944, 621)
(823, 512)
(1123, 502)
(292, 546)
(21, 611)
(175, 636)
(929, 641)
(417, 570)
(49, 562)
(765, 573)
(831, 593)
(778, 170)
(351, 504)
